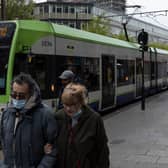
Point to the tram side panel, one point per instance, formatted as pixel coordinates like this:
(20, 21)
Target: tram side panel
(86, 58)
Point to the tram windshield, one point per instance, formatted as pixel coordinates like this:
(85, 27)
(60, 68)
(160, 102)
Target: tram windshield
(6, 35)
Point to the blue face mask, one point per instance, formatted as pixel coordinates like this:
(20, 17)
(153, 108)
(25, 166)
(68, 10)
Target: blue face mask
(19, 104)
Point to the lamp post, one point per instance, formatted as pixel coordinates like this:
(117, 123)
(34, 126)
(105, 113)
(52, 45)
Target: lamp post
(143, 41)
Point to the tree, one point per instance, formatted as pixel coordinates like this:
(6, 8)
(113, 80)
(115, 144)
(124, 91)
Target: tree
(121, 36)
(19, 9)
(99, 25)
(159, 45)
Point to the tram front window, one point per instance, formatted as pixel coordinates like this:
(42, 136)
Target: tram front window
(6, 35)
(3, 69)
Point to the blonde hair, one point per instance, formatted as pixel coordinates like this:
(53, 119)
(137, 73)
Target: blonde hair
(74, 93)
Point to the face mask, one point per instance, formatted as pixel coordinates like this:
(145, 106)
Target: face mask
(77, 114)
(19, 104)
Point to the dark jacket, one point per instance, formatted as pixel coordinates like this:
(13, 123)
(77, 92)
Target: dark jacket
(60, 105)
(23, 146)
(87, 147)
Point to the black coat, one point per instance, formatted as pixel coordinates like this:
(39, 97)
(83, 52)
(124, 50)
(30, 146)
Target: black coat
(88, 147)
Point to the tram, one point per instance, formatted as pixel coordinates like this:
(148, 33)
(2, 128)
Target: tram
(110, 68)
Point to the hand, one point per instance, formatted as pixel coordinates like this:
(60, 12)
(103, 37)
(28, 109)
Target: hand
(48, 148)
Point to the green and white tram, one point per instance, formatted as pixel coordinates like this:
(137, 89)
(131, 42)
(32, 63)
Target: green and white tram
(110, 68)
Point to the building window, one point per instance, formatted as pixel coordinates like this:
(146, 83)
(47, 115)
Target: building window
(46, 9)
(89, 10)
(72, 25)
(65, 23)
(72, 10)
(59, 10)
(65, 9)
(53, 9)
(41, 10)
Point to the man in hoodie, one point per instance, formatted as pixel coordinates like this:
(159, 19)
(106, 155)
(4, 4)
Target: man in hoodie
(26, 126)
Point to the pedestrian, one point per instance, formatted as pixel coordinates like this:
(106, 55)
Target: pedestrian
(82, 140)
(26, 126)
(66, 77)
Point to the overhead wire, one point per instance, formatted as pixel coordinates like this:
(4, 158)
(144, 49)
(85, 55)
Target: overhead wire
(151, 15)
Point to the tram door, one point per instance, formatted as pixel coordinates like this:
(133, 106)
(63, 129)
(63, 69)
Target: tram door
(108, 82)
(138, 77)
(154, 71)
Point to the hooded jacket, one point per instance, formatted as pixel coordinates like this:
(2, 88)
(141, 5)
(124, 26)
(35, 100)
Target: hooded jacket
(84, 145)
(23, 144)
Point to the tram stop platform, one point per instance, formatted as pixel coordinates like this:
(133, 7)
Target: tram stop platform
(139, 139)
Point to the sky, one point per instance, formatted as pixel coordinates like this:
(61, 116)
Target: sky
(159, 18)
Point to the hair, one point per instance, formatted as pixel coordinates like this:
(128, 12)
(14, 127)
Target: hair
(24, 78)
(74, 93)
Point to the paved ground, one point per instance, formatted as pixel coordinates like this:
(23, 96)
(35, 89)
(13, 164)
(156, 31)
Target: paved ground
(139, 139)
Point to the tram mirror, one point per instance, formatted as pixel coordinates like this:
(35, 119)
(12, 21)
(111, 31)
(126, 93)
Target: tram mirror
(143, 38)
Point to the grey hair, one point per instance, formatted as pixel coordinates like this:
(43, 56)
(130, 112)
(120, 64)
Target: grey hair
(23, 78)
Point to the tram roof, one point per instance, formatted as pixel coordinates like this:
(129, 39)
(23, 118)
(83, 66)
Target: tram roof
(72, 33)
(161, 51)
(65, 31)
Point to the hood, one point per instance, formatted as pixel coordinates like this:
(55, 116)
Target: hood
(35, 99)
(32, 102)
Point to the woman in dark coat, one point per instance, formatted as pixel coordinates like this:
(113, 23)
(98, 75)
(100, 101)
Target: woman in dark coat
(82, 141)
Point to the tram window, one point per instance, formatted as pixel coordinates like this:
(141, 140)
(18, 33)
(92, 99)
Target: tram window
(153, 70)
(165, 69)
(3, 69)
(161, 69)
(39, 70)
(147, 69)
(125, 72)
(85, 69)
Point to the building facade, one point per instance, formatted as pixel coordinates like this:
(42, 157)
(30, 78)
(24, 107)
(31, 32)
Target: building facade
(77, 13)
(73, 14)
(134, 26)
(117, 6)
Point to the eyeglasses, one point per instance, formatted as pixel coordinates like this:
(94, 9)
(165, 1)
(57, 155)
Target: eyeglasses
(19, 96)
